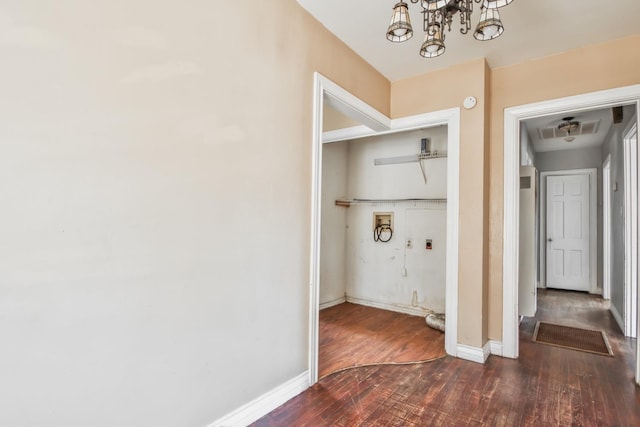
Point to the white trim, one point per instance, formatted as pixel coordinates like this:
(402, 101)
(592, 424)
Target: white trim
(316, 198)
(332, 303)
(617, 316)
(512, 118)
(323, 89)
(637, 260)
(630, 228)
(486, 350)
(593, 223)
(346, 134)
(261, 406)
(496, 347)
(474, 354)
(403, 124)
(453, 208)
(606, 228)
(398, 308)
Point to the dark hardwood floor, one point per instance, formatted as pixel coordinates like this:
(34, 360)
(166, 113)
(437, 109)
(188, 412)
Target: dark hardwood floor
(355, 335)
(546, 386)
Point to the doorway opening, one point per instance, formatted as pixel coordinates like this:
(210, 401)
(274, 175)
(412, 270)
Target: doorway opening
(371, 123)
(383, 249)
(514, 118)
(568, 217)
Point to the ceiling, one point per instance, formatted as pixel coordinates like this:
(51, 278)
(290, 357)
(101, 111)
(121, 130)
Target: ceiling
(598, 120)
(533, 29)
(602, 119)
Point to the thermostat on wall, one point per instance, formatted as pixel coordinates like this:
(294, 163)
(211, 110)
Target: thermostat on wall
(469, 102)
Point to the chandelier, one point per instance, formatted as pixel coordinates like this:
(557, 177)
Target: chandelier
(438, 14)
(567, 126)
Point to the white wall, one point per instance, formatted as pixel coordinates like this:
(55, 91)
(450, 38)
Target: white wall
(374, 269)
(155, 176)
(333, 245)
(613, 145)
(584, 158)
(527, 153)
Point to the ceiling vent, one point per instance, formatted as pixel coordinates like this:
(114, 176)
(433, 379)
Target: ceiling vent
(584, 128)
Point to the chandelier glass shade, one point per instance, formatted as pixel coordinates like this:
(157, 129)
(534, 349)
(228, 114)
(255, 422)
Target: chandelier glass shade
(400, 27)
(433, 42)
(567, 126)
(438, 15)
(489, 26)
(495, 4)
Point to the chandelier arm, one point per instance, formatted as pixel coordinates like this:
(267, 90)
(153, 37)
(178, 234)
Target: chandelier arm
(465, 16)
(442, 23)
(425, 20)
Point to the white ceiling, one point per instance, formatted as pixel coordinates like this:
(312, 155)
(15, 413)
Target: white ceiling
(533, 29)
(604, 117)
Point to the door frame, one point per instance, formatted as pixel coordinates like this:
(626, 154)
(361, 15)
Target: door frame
(512, 117)
(593, 224)
(630, 161)
(376, 123)
(606, 228)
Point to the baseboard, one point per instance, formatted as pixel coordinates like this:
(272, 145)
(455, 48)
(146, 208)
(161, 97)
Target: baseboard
(332, 303)
(406, 309)
(264, 404)
(496, 347)
(473, 354)
(617, 316)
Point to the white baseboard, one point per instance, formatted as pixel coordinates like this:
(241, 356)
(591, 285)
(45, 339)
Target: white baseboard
(264, 404)
(473, 354)
(496, 347)
(617, 316)
(331, 303)
(406, 309)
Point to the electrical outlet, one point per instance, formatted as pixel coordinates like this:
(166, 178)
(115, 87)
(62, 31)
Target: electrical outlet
(409, 243)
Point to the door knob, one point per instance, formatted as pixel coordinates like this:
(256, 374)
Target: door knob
(550, 239)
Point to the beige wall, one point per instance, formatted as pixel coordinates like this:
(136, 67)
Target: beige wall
(447, 89)
(588, 69)
(583, 70)
(155, 176)
(333, 120)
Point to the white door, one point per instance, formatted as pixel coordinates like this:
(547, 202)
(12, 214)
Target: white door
(568, 232)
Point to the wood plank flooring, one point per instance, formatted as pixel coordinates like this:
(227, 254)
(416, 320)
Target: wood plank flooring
(355, 335)
(546, 386)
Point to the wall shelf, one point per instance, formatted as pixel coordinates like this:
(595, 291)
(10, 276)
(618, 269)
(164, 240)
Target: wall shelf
(412, 158)
(349, 202)
(434, 155)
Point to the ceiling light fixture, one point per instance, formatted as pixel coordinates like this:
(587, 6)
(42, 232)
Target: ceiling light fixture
(567, 126)
(438, 14)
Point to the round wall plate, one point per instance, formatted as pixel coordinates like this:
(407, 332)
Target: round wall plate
(469, 102)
